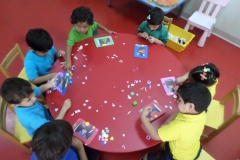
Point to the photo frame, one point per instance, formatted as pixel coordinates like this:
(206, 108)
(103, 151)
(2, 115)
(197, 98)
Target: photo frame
(84, 131)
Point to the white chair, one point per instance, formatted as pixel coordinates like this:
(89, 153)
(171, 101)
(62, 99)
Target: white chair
(205, 21)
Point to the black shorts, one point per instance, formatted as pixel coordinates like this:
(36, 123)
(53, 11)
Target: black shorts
(92, 154)
(161, 155)
(166, 154)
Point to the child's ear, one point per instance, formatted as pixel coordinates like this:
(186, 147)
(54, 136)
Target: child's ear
(191, 107)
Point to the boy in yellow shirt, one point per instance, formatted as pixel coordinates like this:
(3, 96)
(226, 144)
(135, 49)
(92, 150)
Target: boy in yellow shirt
(183, 129)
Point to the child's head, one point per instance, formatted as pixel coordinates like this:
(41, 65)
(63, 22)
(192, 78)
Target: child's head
(155, 18)
(82, 18)
(39, 40)
(18, 92)
(193, 98)
(207, 74)
(52, 140)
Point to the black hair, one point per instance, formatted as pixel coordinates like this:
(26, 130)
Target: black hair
(196, 93)
(52, 140)
(82, 14)
(14, 90)
(210, 77)
(156, 16)
(39, 40)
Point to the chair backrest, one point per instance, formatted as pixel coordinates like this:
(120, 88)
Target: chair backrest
(212, 3)
(8, 60)
(3, 129)
(235, 95)
(167, 21)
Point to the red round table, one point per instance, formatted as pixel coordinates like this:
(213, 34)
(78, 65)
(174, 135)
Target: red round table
(100, 77)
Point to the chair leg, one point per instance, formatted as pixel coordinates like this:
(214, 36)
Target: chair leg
(222, 127)
(186, 28)
(209, 33)
(191, 27)
(203, 38)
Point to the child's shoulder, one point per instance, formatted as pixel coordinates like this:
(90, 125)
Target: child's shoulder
(144, 23)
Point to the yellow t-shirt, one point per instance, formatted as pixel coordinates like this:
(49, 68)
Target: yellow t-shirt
(212, 89)
(183, 135)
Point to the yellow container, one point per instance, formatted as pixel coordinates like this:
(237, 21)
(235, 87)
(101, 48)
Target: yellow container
(181, 33)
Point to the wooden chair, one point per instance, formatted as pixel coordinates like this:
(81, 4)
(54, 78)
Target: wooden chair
(9, 59)
(205, 156)
(20, 136)
(215, 114)
(167, 22)
(203, 20)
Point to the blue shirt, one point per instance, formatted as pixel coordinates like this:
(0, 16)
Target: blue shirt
(32, 117)
(36, 65)
(70, 155)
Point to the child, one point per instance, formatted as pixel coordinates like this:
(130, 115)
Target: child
(31, 114)
(41, 56)
(153, 29)
(53, 140)
(183, 129)
(207, 74)
(84, 25)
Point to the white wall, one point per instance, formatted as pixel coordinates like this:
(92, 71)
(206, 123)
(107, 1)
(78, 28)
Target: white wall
(228, 19)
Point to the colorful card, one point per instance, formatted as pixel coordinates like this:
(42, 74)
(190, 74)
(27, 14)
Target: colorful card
(168, 84)
(63, 80)
(140, 51)
(84, 131)
(156, 111)
(103, 41)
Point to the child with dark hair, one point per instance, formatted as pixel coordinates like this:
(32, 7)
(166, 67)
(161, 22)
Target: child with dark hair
(54, 141)
(41, 56)
(84, 26)
(31, 113)
(206, 74)
(183, 129)
(153, 29)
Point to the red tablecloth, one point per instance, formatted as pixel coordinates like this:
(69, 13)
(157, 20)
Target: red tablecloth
(106, 80)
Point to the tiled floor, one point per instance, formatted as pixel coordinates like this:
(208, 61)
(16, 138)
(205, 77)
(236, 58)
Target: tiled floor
(16, 17)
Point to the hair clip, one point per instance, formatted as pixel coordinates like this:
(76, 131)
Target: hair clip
(149, 17)
(206, 69)
(204, 64)
(203, 76)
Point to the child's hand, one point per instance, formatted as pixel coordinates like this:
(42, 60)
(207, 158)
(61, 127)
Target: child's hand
(151, 39)
(111, 32)
(68, 64)
(52, 82)
(144, 35)
(146, 111)
(60, 53)
(67, 104)
(76, 143)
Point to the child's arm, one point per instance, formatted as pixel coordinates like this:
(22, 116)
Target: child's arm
(60, 53)
(155, 40)
(153, 133)
(172, 117)
(48, 85)
(144, 34)
(65, 107)
(76, 143)
(182, 78)
(68, 63)
(42, 79)
(105, 29)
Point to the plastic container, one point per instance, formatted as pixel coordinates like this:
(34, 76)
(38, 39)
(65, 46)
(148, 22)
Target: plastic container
(181, 33)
